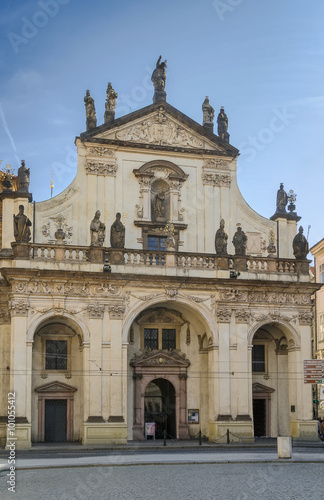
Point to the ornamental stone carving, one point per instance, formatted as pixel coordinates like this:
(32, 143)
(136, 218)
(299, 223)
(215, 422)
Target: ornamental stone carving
(98, 168)
(18, 308)
(223, 315)
(218, 180)
(116, 311)
(213, 164)
(306, 318)
(274, 316)
(96, 310)
(71, 289)
(171, 293)
(242, 316)
(102, 151)
(162, 130)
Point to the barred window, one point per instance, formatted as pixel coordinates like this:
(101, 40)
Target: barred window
(56, 355)
(258, 358)
(151, 338)
(168, 339)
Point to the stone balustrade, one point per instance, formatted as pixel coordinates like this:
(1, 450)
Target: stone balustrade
(150, 258)
(58, 253)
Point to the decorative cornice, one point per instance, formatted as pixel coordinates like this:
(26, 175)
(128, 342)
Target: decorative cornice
(70, 288)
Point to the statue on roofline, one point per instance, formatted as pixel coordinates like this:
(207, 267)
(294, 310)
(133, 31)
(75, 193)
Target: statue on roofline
(159, 75)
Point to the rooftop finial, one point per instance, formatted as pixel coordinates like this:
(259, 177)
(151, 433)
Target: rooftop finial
(158, 79)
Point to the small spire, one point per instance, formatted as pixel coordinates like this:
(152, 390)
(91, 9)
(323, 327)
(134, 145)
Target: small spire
(52, 184)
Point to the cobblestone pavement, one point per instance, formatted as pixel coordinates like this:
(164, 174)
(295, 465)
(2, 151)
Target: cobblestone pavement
(246, 481)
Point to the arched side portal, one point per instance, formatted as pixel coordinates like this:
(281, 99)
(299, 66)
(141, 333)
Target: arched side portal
(274, 380)
(160, 407)
(57, 388)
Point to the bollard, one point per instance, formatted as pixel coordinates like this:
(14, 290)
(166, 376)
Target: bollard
(284, 447)
(199, 438)
(227, 436)
(164, 437)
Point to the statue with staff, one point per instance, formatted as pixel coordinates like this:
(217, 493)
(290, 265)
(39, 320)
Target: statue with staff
(22, 226)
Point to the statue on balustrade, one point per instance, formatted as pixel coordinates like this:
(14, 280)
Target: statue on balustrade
(282, 200)
(22, 226)
(240, 241)
(97, 231)
(221, 239)
(117, 233)
(300, 245)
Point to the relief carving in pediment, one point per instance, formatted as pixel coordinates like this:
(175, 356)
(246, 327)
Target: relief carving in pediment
(159, 128)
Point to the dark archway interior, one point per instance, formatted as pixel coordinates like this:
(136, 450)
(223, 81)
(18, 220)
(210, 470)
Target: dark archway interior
(160, 407)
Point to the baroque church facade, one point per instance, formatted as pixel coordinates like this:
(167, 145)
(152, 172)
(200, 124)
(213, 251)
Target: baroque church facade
(187, 309)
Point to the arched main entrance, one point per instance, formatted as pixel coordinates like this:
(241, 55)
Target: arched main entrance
(160, 407)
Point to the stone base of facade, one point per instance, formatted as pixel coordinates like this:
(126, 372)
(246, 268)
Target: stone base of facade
(22, 435)
(238, 431)
(304, 429)
(105, 433)
(3, 435)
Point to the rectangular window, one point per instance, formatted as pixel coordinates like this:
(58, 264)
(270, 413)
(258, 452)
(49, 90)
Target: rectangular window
(321, 272)
(258, 358)
(156, 243)
(56, 355)
(321, 327)
(151, 338)
(168, 339)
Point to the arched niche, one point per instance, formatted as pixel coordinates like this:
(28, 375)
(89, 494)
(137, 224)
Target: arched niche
(160, 176)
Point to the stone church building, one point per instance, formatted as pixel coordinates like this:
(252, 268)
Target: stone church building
(149, 291)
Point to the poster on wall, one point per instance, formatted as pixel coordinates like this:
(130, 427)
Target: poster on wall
(150, 429)
(193, 416)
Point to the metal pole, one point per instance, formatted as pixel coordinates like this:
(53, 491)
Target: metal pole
(227, 436)
(164, 437)
(199, 438)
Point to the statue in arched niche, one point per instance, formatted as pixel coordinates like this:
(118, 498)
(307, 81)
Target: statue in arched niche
(159, 205)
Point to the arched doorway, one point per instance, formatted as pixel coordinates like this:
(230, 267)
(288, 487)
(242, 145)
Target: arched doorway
(271, 380)
(160, 407)
(57, 358)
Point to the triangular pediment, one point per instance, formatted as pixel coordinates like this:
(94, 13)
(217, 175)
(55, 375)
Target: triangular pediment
(261, 388)
(148, 357)
(160, 125)
(55, 387)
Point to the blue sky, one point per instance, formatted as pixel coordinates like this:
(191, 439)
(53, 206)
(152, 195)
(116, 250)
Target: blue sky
(262, 60)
